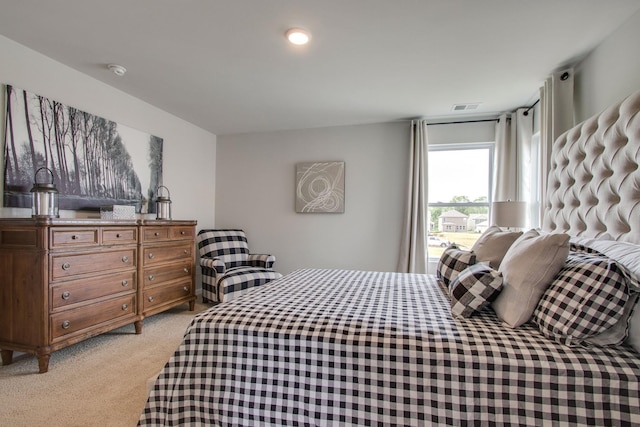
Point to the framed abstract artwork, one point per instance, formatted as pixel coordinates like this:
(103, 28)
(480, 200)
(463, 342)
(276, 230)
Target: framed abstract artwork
(320, 187)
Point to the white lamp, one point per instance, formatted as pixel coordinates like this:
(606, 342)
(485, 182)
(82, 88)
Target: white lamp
(509, 214)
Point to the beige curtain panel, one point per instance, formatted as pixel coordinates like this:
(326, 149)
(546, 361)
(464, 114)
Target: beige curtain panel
(413, 249)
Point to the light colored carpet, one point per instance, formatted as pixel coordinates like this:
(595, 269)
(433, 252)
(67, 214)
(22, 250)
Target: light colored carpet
(99, 382)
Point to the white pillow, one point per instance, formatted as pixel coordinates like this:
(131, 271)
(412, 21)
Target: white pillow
(627, 254)
(493, 245)
(528, 269)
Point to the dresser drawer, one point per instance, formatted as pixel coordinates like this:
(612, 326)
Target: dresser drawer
(69, 265)
(155, 234)
(155, 297)
(19, 238)
(78, 237)
(159, 275)
(70, 321)
(160, 254)
(177, 233)
(119, 236)
(78, 291)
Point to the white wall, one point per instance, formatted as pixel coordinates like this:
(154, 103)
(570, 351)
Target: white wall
(189, 151)
(256, 184)
(611, 72)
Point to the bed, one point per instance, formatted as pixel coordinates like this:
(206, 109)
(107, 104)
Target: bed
(340, 347)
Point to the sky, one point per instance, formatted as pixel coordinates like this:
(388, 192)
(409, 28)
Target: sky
(458, 173)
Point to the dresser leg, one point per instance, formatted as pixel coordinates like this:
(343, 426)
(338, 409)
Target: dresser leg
(43, 362)
(192, 305)
(138, 326)
(7, 357)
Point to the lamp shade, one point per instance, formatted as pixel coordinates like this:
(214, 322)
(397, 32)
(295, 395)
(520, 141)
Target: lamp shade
(509, 214)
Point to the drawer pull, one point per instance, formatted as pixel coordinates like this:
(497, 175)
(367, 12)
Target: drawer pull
(156, 234)
(125, 259)
(118, 236)
(66, 324)
(186, 270)
(124, 307)
(151, 256)
(182, 232)
(66, 295)
(66, 266)
(125, 282)
(74, 237)
(186, 289)
(150, 299)
(151, 277)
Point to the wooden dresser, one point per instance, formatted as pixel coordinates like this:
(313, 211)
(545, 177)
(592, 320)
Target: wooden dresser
(65, 280)
(167, 265)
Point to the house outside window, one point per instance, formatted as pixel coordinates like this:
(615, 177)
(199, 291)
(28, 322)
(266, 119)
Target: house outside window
(459, 195)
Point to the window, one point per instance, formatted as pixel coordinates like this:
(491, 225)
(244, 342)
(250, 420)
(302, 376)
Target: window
(459, 195)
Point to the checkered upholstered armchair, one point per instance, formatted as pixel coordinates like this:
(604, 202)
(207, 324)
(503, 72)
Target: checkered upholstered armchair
(228, 269)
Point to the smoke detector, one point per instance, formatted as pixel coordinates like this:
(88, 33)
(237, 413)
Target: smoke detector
(466, 107)
(116, 69)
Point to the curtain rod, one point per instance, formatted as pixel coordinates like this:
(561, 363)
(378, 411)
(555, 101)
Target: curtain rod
(526, 113)
(464, 121)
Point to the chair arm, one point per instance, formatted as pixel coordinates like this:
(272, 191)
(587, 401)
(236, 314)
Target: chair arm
(214, 263)
(261, 260)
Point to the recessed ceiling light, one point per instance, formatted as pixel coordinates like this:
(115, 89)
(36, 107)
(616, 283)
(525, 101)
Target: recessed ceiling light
(118, 70)
(298, 36)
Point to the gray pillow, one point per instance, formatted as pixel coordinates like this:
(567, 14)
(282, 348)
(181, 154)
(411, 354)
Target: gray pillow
(528, 268)
(493, 245)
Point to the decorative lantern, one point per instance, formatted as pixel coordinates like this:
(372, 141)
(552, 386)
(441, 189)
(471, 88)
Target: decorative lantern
(163, 204)
(44, 197)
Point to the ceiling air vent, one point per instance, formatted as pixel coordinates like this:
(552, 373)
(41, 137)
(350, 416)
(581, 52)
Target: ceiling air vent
(466, 107)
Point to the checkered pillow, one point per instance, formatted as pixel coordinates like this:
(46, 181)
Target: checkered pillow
(473, 289)
(585, 298)
(452, 262)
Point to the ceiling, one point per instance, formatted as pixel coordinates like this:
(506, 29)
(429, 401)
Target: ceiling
(225, 66)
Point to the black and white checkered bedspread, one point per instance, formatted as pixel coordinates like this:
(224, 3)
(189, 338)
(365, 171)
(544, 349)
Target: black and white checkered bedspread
(336, 347)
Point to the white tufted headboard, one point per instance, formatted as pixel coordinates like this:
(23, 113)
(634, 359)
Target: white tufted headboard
(594, 181)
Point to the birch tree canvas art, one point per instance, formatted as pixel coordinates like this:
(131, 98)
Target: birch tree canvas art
(95, 162)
